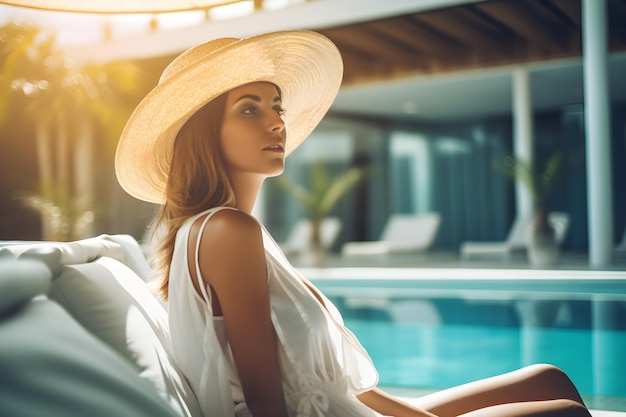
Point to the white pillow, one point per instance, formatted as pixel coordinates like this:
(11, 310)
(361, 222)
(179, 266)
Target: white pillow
(21, 280)
(53, 367)
(76, 252)
(134, 257)
(114, 304)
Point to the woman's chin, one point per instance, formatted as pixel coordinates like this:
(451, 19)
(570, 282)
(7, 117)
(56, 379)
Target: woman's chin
(277, 173)
(277, 170)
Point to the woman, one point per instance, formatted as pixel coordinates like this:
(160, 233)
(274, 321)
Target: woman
(252, 335)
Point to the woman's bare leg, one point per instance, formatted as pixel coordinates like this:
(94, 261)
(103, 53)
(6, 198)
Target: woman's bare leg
(547, 408)
(535, 383)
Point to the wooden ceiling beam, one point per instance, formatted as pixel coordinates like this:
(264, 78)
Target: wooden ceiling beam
(417, 36)
(344, 43)
(419, 59)
(361, 64)
(359, 56)
(467, 28)
(529, 22)
(383, 45)
(477, 35)
(571, 9)
(359, 37)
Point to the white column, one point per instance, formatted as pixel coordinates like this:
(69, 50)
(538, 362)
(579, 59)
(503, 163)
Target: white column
(522, 134)
(598, 135)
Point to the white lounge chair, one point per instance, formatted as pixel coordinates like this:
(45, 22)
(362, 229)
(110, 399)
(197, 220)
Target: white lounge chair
(403, 233)
(300, 235)
(516, 239)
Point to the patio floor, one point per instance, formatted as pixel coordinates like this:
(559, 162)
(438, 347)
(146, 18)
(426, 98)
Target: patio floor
(448, 259)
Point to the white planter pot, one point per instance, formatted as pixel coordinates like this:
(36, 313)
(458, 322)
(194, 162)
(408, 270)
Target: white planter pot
(313, 256)
(543, 249)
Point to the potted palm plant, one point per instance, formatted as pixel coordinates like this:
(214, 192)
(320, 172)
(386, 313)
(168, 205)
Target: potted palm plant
(539, 180)
(320, 198)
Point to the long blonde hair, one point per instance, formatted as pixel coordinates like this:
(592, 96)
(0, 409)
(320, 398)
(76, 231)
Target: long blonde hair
(198, 181)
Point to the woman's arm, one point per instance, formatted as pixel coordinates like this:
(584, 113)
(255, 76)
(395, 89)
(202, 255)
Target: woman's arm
(389, 405)
(232, 262)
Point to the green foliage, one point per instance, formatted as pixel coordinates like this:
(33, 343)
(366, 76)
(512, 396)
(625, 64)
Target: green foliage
(109, 92)
(324, 192)
(35, 71)
(27, 62)
(62, 105)
(538, 180)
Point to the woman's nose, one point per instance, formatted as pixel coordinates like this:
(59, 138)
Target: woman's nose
(276, 122)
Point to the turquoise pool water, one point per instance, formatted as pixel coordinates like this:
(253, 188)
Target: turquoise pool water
(440, 356)
(433, 332)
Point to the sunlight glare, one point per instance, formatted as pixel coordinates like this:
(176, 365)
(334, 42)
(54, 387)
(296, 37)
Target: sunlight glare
(230, 11)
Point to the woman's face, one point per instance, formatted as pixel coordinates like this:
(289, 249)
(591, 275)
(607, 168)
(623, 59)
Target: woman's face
(253, 133)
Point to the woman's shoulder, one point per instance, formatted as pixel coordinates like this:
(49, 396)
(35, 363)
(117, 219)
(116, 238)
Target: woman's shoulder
(227, 224)
(228, 238)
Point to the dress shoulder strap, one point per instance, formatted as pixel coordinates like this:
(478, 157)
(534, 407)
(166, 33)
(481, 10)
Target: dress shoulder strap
(208, 214)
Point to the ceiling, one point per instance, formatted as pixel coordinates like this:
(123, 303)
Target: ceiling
(456, 62)
(423, 60)
(472, 35)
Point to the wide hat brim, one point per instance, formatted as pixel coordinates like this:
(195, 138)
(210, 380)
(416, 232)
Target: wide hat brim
(305, 65)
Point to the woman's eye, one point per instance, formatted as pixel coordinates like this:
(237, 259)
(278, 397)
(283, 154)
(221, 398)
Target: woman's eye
(249, 110)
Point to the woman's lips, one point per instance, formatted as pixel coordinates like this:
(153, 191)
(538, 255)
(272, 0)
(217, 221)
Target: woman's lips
(275, 148)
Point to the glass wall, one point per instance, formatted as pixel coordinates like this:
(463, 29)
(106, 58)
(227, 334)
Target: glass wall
(471, 194)
(450, 168)
(410, 171)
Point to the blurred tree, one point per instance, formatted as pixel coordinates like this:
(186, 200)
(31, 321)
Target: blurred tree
(66, 104)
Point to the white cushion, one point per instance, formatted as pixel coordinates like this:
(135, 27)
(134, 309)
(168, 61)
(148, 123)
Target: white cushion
(21, 281)
(134, 257)
(117, 306)
(53, 367)
(76, 252)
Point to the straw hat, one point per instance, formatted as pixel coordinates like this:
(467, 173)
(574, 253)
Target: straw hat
(306, 66)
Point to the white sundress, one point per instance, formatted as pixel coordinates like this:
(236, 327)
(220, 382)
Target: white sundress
(323, 365)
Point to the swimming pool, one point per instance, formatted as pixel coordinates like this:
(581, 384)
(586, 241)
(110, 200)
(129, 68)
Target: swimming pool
(435, 328)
